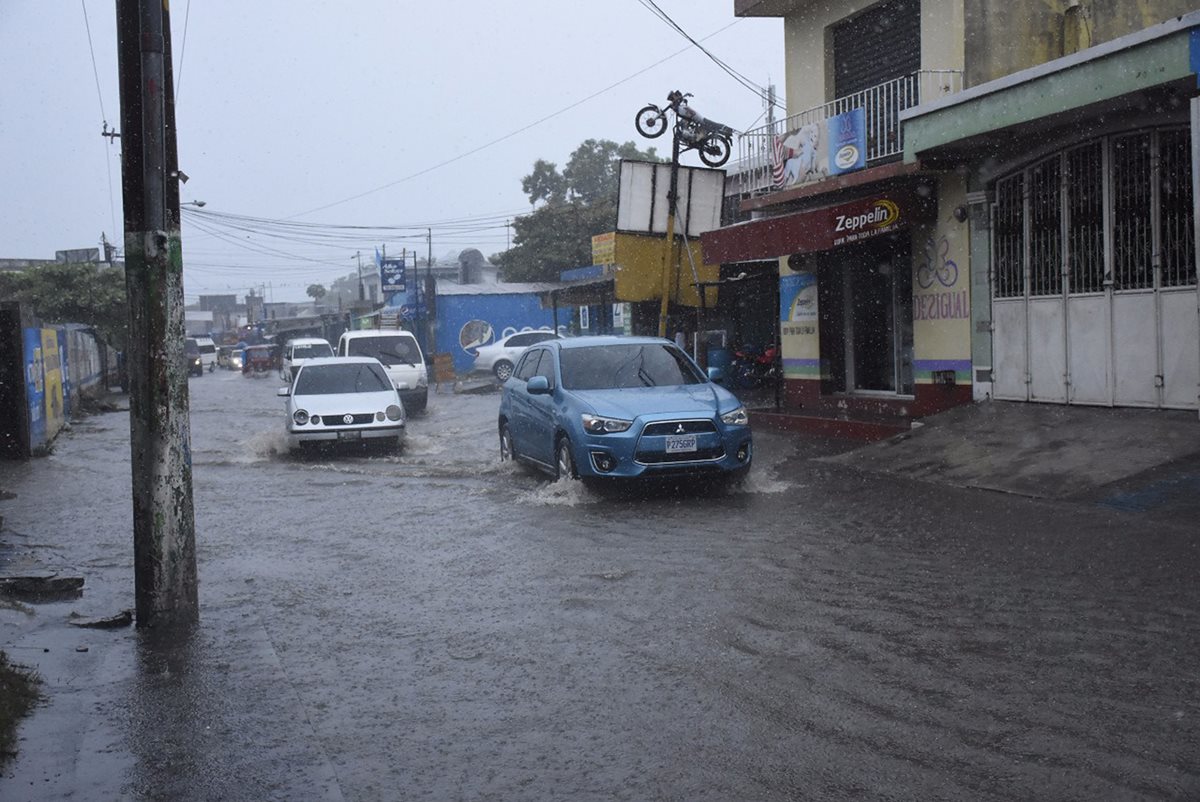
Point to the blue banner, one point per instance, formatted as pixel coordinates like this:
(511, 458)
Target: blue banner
(392, 275)
(847, 141)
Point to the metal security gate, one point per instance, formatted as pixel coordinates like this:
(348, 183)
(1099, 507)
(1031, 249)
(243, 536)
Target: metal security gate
(1094, 295)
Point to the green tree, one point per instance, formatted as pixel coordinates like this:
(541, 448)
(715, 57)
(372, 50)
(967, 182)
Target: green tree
(91, 294)
(316, 292)
(576, 204)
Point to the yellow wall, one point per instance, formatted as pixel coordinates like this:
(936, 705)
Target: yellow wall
(52, 368)
(942, 289)
(1006, 36)
(639, 277)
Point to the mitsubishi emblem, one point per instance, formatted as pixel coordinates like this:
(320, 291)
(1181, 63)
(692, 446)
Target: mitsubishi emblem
(679, 429)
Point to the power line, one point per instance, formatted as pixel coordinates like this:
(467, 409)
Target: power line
(512, 134)
(92, 50)
(112, 209)
(187, 14)
(654, 9)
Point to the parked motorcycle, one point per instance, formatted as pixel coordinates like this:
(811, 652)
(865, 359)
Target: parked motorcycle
(712, 139)
(754, 367)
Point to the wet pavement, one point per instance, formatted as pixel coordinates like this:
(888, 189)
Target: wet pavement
(437, 625)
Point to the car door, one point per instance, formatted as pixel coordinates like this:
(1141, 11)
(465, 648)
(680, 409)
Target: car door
(519, 409)
(543, 422)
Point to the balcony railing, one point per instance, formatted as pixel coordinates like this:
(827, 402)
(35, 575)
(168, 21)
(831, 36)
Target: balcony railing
(794, 151)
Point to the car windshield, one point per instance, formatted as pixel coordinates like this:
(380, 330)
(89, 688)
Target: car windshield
(388, 350)
(353, 377)
(602, 367)
(312, 351)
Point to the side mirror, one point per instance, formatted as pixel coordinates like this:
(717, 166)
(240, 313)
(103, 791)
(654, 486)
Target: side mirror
(716, 375)
(538, 385)
(283, 392)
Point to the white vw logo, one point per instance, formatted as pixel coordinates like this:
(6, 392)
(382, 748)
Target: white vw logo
(347, 418)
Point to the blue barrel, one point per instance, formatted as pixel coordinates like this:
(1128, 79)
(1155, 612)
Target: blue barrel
(720, 358)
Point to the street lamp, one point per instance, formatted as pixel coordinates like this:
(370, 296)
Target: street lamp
(196, 203)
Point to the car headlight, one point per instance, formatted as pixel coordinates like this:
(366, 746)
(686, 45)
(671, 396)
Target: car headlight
(736, 418)
(394, 412)
(594, 424)
(300, 416)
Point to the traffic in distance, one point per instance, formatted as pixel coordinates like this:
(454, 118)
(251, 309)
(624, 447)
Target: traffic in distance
(589, 408)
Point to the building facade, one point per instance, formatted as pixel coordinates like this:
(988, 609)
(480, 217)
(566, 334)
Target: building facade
(953, 164)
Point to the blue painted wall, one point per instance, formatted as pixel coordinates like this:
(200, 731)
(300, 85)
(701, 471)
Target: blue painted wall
(468, 321)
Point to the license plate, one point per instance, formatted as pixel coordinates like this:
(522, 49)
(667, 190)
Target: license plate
(681, 443)
(349, 435)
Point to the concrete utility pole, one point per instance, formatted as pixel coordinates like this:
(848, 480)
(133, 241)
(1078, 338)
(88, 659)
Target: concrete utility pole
(670, 261)
(164, 537)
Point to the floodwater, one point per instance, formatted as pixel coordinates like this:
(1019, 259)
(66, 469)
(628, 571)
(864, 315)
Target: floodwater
(434, 624)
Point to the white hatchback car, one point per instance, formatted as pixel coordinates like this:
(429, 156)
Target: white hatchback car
(343, 400)
(499, 357)
(300, 350)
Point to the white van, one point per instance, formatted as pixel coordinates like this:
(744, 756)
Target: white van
(401, 356)
(208, 352)
(299, 350)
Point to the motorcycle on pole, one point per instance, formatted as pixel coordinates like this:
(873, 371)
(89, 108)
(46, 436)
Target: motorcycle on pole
(713, 140)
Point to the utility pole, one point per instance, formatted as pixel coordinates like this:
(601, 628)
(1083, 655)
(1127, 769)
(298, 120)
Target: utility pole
(164, 536)
(669, 259)
(362, 291)
(430, 345)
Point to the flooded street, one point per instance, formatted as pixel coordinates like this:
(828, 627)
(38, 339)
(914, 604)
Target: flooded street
(435, 624)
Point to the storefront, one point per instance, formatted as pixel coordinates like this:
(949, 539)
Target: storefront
(874, 313)
(1083, 196)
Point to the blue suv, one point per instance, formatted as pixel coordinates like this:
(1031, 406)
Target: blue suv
(609, 407)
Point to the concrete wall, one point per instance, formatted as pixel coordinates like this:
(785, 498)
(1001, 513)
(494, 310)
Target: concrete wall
(1005, 36)
(809, 54)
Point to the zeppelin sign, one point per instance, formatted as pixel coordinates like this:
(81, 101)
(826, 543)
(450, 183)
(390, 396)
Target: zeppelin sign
(816, 230)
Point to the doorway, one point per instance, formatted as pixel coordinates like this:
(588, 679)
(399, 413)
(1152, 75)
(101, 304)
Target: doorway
(865, 303)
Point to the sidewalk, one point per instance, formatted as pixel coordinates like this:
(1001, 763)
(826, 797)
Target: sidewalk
(1138, 458)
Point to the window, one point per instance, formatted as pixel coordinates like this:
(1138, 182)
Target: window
(546, 367)
(1085, 217)
(528, 364)
(392, 350)
(1009, 258)
(361, 377)
(604, 367)
(1145, 238)
(1045, 228)
(1132, 248)
(1176, 234)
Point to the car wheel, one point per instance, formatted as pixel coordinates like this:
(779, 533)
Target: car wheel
(502, 369)
(506, 444)
(564, 463)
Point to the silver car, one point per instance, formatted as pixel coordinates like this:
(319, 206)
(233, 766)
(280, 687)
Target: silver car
(499, 357)
(343, 400)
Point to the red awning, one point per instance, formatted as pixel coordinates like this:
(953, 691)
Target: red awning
(819, 229)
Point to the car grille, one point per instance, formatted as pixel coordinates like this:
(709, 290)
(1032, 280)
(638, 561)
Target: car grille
(336, 419)
(662, 458)
(664, 428)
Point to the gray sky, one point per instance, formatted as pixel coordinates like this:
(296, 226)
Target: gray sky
(367, 113)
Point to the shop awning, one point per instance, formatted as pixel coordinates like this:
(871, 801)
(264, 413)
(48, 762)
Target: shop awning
(820, 229)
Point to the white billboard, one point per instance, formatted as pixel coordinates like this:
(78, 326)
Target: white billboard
(642, 202)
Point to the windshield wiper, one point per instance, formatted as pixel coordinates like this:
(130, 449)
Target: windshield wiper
(646, 378)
